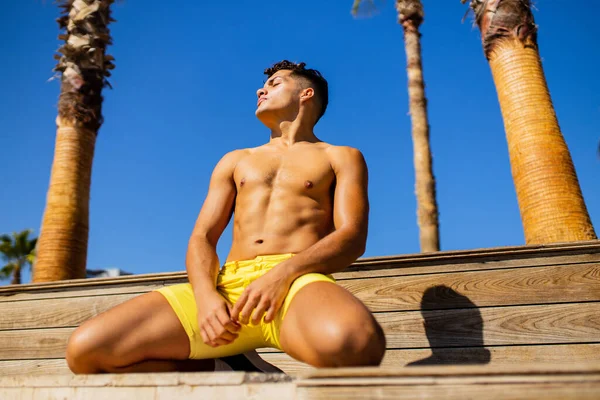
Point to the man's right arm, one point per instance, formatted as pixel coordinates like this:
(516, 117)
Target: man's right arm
(202, 262)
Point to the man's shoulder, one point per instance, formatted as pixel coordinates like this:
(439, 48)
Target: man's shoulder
(229, 161)
(344, 153)
(236, 155)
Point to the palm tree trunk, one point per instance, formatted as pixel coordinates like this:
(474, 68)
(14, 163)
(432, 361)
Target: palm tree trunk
(550, 199)
(410, 16)
(16, 274)
(62, 246)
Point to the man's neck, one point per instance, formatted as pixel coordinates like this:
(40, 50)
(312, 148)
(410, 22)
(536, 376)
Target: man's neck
(291, 132)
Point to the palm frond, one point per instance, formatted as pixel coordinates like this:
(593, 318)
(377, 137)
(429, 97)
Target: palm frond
(17, 249)
(365, 8)
(7, 270)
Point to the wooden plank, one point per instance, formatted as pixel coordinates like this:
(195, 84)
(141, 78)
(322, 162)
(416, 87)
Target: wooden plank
(252, 392)
(56, 313)
(547, 391)
(139, 380)
(483, 288)
(562, 323)
(394, 269)
(266, 391)
(424, 390)
(34, 343)
(545, 358)
(423, 259)
(498, 355)
(521, 381)
(57, 366)
(545, 324)
(77, 291)
(501, 355)
(132, 379)
(141, 286)
(146, 283)
(477, 256)
(457, 290)
(492, 326)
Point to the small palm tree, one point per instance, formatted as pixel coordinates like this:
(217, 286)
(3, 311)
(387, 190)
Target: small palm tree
(550, 200)
(18, 250)
(410, 16)
(84, 67)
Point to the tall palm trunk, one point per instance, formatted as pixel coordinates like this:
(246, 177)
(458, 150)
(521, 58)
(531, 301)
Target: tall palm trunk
(62, 246)
(16, 274)
(410, 16)
(550, 200)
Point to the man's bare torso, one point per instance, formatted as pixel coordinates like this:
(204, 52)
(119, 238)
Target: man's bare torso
(284, 201)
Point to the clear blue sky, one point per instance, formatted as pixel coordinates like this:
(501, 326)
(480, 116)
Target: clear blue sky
(184, 94)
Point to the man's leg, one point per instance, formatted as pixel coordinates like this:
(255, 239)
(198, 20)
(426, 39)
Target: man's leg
(326, 326)
(140, 335)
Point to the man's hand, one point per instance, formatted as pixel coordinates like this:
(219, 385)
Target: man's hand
(265, 295)
(216, 326)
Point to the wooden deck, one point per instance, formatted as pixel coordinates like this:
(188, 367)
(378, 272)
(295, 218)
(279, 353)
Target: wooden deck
(449, 382)
(495, 308)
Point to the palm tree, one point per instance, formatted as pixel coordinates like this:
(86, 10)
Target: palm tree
(84, 67)
(550, 200)
(410, 16)
(18, 250)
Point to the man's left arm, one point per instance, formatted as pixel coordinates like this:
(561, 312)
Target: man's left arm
(332, 253)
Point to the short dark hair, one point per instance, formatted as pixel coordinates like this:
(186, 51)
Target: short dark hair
(314, 77)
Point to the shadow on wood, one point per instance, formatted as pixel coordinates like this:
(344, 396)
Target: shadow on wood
(466, 329)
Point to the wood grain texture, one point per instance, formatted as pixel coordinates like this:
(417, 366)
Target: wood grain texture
(379, 269)
(508, 253)
(34, 343)
(144, 283)
(497, 326)
(40, 367)
(250, 392)
(569, 354)
(579, 381)
(535, 285)
(550, 391)
(78, 291)
(545, 324)
(56, 313)
(561, 323)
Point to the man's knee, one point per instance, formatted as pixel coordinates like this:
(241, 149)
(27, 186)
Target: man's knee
(83, 350)
(77, 347)
(353, 343)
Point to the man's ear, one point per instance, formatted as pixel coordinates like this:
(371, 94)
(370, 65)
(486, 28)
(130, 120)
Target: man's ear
(307, 94)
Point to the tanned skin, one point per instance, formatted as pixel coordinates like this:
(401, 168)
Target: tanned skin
(295, 194)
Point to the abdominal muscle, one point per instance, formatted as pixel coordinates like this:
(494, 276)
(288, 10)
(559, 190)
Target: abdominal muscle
(268, 222)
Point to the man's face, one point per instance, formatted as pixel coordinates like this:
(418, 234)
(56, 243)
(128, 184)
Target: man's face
(279, 98)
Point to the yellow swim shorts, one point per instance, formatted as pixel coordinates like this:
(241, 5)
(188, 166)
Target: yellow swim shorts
(231, 282)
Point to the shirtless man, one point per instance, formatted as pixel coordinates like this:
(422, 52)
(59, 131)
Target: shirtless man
(301, 214)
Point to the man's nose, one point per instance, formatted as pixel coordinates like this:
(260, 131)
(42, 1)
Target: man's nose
(261, 92)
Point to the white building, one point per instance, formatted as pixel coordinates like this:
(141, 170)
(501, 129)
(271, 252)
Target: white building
(105, 273)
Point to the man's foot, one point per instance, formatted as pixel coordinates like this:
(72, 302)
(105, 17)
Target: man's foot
(248, 362)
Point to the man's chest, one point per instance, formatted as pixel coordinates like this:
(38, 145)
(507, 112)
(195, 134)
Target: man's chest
(296, 171)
